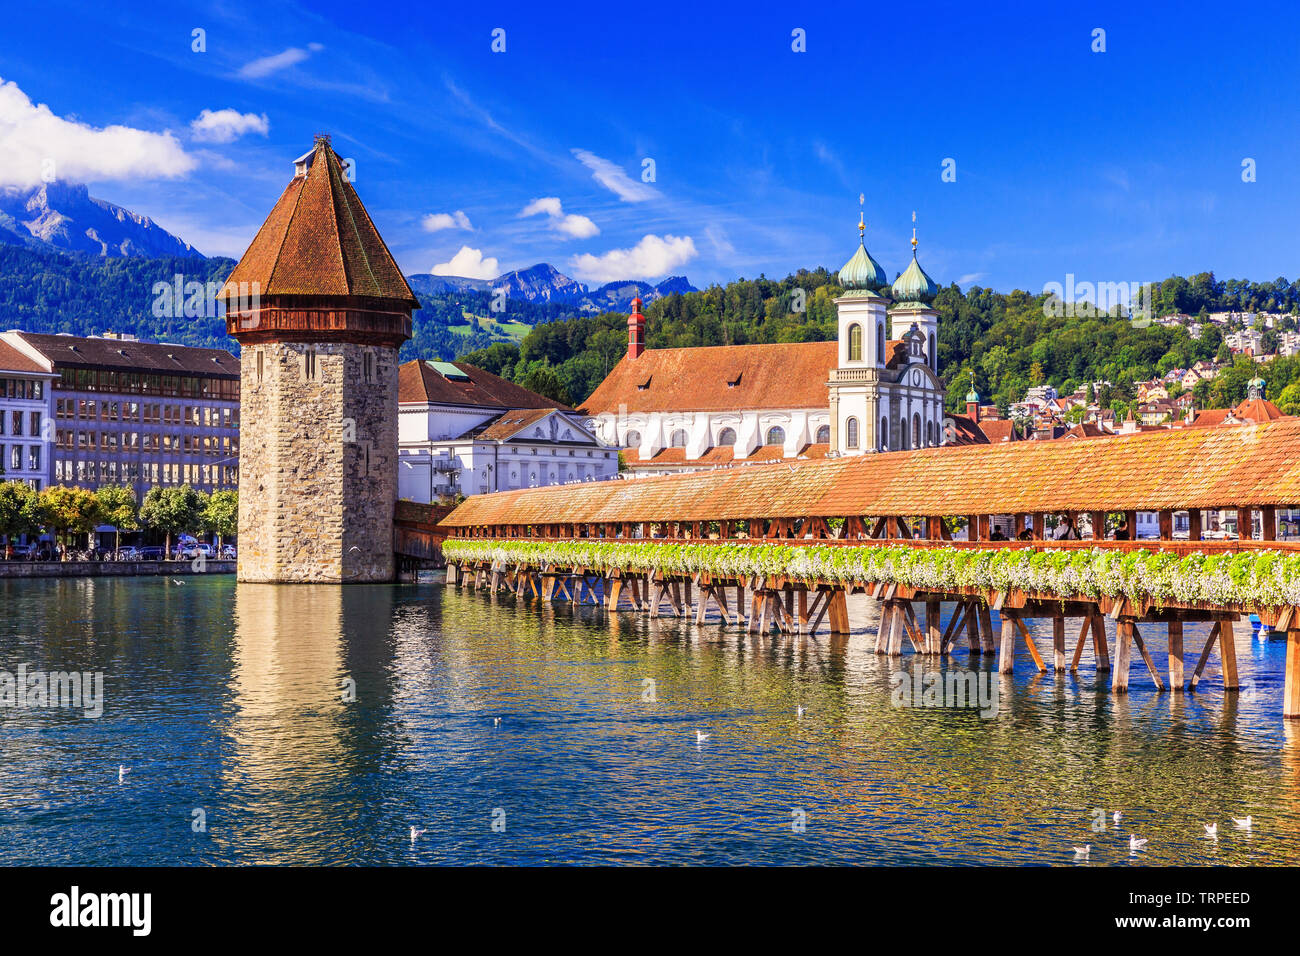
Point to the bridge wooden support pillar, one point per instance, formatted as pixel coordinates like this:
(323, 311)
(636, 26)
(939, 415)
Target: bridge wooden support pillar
(1007, 653)
(1176, 656)
(933, 636)
(1058, 643)
(986, 628)
(1291, 690)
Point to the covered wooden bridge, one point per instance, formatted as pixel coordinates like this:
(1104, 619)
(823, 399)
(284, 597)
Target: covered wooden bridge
(793, 539)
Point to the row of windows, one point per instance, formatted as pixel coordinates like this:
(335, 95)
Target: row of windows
(147, 441)
(22, 388)
(16, 420)
(775, 436)
(311, 368)
(150, 472)
(933, 434)
(147, 413)
(13, 457)
(144, 383)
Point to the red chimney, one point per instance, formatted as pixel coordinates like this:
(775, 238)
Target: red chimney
(973, 411)
(635, 330)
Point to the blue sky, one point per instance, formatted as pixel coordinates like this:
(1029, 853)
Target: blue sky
(1117, 167)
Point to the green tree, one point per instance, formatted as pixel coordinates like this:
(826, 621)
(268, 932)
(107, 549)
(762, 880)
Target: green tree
(543, 380)
(19, 513)
(69, 511)
(171, 510)
(221, 515)
(119, 507)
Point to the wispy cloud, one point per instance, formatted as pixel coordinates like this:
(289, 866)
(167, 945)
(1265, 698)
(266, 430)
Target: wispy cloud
(571, 225)
(226, 126)
(652, 257)
(265, 66)
(612, 177)
(438, 221)
(469, 263)
(37, 146)
(971, 277)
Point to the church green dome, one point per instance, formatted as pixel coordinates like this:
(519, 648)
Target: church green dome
(914, 286)
(862, 273)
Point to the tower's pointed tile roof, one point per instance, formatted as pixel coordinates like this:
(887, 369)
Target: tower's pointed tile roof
(319, 240)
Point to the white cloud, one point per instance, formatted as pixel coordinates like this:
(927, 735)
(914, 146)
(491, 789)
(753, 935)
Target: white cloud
(971, 277)
(265, 66)
(470, 264)
(437, 221)
(35, 144)
(652, 257)
(226, 126)
(571, 225)
(612, 177)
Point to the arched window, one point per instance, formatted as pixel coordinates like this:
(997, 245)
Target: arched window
(855, 343)
(929, 434)
(881, 357)
(727, 436)
(775, 435)
(916, 431)
(934, 359)
(824, 435)
(678, 438)
(851, 433)
(633, 440)
(883, 440)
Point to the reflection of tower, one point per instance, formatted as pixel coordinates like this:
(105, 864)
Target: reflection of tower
(318, 384)
(293, 737)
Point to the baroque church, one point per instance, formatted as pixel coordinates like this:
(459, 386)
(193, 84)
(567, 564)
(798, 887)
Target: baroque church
(876, 388)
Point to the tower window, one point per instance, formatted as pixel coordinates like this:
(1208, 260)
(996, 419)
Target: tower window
(850, 433)
(310, 367)
(855, 343)
(259, 364)
(368, 367)
(775, 435)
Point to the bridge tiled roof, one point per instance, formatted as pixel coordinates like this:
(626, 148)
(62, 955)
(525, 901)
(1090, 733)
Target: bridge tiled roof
(1245, 465)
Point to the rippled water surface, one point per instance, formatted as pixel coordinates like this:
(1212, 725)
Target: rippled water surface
(228, 699)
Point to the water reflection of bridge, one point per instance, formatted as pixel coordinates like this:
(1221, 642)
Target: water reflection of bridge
(779, 547)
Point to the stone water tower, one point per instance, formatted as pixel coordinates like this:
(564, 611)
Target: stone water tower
(320, 309)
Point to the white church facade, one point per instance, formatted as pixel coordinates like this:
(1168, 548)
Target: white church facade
(876, 388)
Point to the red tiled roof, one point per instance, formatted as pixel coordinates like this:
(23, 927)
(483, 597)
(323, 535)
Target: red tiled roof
(999, 430)
(319, 240)
(512, 422)
(1252, 410)
(421, 384)
(778, 375)
(966, 432)
(1165, 469)
(12, 360)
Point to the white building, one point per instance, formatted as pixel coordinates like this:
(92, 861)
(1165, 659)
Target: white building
(461, 430)
(25, 434)
(874, 389)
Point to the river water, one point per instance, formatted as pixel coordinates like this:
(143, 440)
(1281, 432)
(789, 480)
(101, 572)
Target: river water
(226, 705)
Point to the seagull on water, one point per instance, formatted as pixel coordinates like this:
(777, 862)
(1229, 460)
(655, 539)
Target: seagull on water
(177, 581)
(1212, 830)
(1134, 843)
(1115, 816)
(701, 736)
(122, 772)
(496, 721)
(799, 711)
(417, 833)
(1242, 824)
(1081, 852)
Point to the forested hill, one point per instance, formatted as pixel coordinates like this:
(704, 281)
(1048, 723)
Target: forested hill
(1008, 339)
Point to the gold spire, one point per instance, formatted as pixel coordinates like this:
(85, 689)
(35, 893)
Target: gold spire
(913, 232)
(862, 222)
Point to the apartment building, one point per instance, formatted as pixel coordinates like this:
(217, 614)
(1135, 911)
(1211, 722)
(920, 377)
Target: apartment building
(24, 418)
(136, 413)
